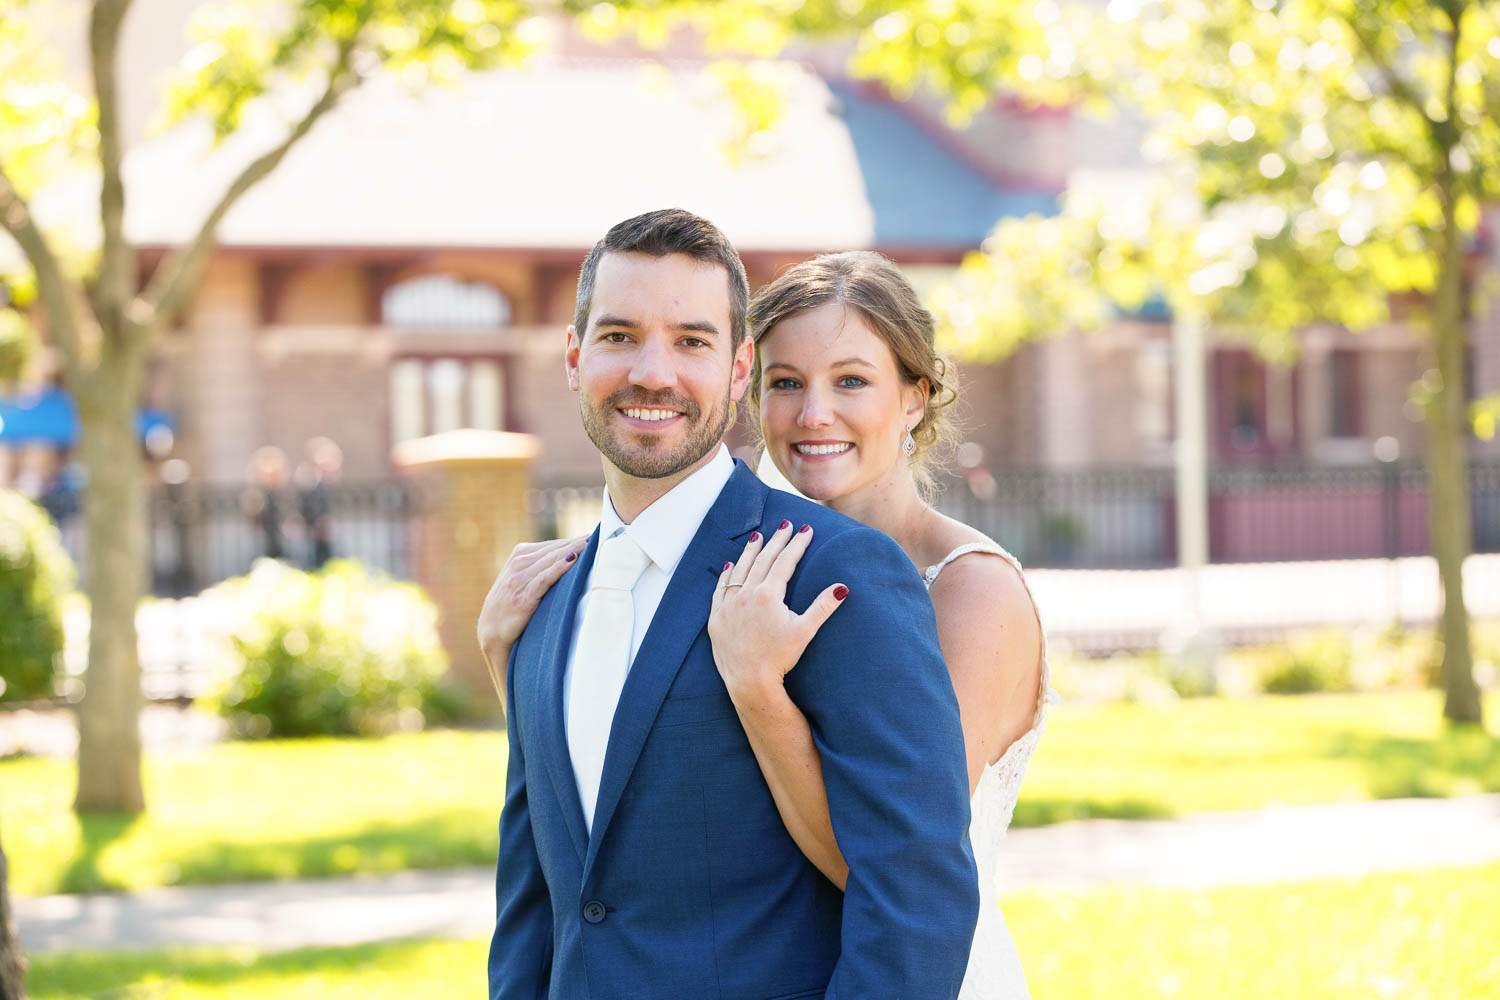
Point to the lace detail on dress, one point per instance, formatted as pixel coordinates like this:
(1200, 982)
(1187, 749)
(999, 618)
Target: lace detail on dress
(994, 971)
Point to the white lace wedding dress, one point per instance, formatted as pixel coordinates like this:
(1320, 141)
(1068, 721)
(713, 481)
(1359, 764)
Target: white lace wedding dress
(994, 971)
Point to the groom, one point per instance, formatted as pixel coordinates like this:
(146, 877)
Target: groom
(641, 853)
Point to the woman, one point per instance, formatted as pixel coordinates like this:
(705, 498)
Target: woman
(852, 398)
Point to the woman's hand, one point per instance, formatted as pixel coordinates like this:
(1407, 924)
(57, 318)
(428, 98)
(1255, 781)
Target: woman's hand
(531, 570)
(757, 639)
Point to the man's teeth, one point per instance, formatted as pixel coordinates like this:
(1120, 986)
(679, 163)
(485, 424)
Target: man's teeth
(640, 414)
(823, 449)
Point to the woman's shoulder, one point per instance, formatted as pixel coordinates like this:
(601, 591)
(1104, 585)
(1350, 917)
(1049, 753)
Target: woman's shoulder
(980, 585)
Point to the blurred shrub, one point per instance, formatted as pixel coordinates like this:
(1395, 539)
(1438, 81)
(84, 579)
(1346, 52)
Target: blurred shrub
(35, 574)
(338, 651)
(1314, 661)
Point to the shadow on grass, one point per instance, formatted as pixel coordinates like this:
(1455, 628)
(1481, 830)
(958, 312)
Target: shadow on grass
(96, 832)
(142, 975)
(1045, 812)
(1462, 761)
(446, 840)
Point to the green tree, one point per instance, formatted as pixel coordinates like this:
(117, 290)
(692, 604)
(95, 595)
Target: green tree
(12, 961)
(1319, 160)
(103, 320)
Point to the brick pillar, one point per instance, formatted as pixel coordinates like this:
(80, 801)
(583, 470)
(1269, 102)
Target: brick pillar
(474, 484)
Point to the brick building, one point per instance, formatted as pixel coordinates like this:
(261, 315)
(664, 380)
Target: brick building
(410, 267)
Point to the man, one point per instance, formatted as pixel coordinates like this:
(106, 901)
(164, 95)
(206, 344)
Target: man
(641, 853)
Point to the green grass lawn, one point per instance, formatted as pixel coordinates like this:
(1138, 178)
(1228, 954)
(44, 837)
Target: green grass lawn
(324, 807)
(1413, 935)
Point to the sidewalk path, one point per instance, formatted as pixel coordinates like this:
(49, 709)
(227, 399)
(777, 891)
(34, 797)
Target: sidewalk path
(1284, 844)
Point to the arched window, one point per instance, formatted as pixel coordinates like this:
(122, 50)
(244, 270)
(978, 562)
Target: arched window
(444, 302)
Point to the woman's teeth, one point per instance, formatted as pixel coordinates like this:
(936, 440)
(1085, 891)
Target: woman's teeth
(822, 449)
(640, 414)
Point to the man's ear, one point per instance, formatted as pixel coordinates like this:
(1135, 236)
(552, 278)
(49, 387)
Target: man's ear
(570, 357)
(744, 367)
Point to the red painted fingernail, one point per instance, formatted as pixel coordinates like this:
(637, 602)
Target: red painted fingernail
(754, 536)
(804, 529)
(783, 525)
(840, 592)
(726, 567)
(571, 557)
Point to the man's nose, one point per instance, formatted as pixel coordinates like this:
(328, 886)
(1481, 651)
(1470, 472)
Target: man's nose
(654, 367)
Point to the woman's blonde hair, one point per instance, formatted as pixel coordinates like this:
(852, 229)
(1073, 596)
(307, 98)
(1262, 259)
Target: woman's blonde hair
(872, 284)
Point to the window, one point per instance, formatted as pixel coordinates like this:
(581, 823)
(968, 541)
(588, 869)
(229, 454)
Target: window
(432, 395)
(439, 301)
(1344, 396)
(451, 384)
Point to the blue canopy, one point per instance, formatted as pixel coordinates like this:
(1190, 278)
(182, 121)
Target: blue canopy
(48, 416)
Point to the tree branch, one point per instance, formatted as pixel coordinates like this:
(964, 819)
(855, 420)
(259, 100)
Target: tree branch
(59, 298)
(1400, 87)
(116, 273)
(178, 274)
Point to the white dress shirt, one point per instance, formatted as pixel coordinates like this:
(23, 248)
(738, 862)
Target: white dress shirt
(663, 531)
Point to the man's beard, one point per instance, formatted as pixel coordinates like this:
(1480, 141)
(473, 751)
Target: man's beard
(647, 457)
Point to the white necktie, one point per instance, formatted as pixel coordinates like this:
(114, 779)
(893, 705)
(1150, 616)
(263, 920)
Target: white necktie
(601, 661)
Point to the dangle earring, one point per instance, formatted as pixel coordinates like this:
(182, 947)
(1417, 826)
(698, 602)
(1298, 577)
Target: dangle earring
(909, 446)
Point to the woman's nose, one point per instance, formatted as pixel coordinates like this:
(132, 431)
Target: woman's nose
(815, 411)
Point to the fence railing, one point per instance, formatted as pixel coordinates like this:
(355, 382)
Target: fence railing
(201, 534)
(1081, 519)
(1125, 518)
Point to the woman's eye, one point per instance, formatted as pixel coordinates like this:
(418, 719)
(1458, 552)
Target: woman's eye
(785, 383)
(851, 382)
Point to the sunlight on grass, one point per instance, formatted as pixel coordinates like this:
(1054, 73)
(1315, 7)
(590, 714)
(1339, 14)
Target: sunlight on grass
(1412, 935)
(1219, 754)
(263, 811)
(291, 808)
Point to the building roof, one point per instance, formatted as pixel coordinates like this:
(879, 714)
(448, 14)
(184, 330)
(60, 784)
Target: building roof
(550, 155)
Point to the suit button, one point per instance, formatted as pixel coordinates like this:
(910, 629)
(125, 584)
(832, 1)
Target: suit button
(593, 911)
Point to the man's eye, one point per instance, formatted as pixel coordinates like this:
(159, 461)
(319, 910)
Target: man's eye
(785, 383)
(616, 337)
(694, 342)
(851, 382)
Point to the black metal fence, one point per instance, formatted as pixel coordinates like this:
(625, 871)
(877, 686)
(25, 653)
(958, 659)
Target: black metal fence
(1127, 518)
(203, 533)
(1093, 518)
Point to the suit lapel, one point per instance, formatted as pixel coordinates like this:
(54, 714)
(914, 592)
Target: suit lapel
(681, 616)
(554, 663)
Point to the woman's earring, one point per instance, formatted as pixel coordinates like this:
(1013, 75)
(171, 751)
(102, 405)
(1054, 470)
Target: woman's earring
(909, 445)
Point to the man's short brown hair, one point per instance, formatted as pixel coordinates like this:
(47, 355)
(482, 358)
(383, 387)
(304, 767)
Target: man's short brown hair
(659, 233)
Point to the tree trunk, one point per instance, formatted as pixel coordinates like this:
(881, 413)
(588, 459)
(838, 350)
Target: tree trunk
(12, 962)
(1448, 475)
(109, 744)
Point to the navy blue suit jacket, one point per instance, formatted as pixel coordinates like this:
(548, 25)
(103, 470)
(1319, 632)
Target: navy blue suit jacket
(690, 887)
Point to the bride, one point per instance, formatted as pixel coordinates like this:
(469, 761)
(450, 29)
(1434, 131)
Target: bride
(852, 397)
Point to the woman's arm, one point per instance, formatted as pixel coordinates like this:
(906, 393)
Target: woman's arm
(531, 570)
(757, 639)
(783, 745)
(996, 669)
(996, 672)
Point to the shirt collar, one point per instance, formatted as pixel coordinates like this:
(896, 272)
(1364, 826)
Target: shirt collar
(666, 528)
